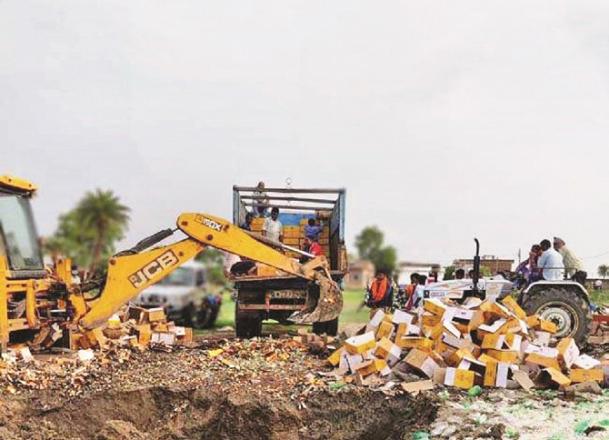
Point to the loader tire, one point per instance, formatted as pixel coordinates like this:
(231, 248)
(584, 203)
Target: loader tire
(247, 325)
(568, 310)
(330, 328)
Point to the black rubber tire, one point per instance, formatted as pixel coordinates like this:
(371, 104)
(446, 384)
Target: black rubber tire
(330, 328)
(189, 316)
(204, 318)
(247, 325)
(574, 304)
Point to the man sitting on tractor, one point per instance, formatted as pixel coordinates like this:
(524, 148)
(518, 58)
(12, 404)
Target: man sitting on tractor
(550, 263)
(573, 265)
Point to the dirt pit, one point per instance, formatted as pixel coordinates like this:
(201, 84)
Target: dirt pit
(201, 413)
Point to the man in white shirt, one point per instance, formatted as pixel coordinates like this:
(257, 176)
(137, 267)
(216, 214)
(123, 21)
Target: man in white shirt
(550, 263)
(273, 228)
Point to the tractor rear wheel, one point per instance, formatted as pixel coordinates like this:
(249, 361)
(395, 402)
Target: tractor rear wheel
(567, 309)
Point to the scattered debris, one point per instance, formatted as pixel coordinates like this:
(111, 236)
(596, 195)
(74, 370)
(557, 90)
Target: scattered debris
(467, 346)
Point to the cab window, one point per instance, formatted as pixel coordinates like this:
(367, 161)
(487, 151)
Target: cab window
(19, 237)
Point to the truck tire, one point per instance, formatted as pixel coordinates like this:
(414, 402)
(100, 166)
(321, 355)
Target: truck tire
(189, 316)
(247, 325)
(568, 310)
(330, 328)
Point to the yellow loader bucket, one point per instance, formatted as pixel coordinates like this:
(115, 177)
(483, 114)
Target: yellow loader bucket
(325, 308)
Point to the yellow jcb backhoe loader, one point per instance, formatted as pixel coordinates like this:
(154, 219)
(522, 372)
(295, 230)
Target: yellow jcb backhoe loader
(34, 299)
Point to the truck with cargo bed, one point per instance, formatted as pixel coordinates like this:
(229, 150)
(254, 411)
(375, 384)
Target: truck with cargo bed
(272, 294)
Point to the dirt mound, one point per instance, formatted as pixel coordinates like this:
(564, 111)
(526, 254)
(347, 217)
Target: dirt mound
(164, 413)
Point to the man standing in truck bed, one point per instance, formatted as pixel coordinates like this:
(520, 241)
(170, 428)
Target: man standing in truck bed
(273, 228)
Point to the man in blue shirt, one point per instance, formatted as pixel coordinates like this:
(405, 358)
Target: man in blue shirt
(550, 263)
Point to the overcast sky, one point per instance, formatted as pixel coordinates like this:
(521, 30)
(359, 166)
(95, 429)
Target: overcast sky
(444, 120)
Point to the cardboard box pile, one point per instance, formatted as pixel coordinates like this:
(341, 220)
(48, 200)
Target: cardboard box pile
(293, 235)
(486, 343)
(135, 327)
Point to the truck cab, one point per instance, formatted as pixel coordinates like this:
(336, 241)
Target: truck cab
(271, 294)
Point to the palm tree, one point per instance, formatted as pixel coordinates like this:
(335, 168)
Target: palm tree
(102, 215)
(603, 270)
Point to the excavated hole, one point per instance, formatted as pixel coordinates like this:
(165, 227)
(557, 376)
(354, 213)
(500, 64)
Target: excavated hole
(163, 413)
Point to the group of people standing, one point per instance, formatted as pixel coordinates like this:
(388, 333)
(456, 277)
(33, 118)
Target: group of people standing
(552, 261)
(383, 293)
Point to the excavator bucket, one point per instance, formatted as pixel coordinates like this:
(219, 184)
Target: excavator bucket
(326, 307)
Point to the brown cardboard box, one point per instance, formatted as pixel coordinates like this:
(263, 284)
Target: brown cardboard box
(417, 387)
(423, 344)
(360, 343)
(164, 338)
(543, 361)
(554, 376)
(592, 375)
(334, 358)
(385, 330)
(547, 326)
(513, 307)
(567, 351)
(523, 379)
(532, 321)
(493, 341)
(434, 306)
(421, 361)
(455, 358)
(490, 372)
(187, 337)
(156, 314)
(459, 378)
(494, 310)
(144, 334)
(370, 367)
(506, 356)
(385, 349)
(430, 320)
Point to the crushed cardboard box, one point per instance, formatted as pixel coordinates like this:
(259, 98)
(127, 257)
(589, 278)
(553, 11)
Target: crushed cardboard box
(135, 327)
(487, 343)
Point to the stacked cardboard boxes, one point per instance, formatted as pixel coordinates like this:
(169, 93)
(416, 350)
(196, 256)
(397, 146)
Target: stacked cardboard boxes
(486, 343)
(136, 327)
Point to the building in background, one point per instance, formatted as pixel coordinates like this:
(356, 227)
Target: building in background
(407, 268)
(491, 262)
(360, 274)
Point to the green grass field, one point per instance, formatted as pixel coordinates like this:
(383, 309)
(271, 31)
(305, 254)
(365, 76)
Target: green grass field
(600, 297)
(350, 314)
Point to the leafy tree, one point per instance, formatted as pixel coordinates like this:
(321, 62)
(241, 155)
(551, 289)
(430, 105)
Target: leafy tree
(369, 244)
(449, 273)
(89, 232)
(370, 240)
(214, 262)
(603, 270)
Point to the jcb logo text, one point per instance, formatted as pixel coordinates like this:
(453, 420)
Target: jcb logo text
(150, 270)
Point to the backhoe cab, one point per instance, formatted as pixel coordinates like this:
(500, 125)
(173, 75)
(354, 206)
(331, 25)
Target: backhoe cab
(19, 246)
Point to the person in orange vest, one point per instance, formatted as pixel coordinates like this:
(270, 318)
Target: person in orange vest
(379, 294)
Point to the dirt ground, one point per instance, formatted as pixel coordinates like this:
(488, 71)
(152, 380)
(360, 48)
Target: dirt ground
(264, 389)
(255, 389)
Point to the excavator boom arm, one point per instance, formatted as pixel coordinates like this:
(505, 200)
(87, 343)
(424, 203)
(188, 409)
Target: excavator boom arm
(129, 274)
